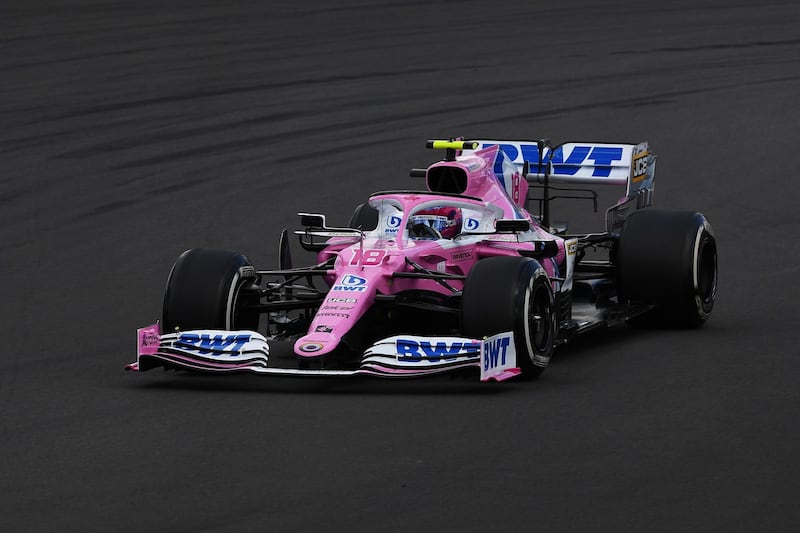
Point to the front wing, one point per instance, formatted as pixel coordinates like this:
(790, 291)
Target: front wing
(399, 356)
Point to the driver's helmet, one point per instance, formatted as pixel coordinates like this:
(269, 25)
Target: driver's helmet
(445, 220)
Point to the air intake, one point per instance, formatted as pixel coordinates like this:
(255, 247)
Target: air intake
(447, 179)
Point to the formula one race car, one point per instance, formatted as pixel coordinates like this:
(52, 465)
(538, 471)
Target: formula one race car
(460, 276)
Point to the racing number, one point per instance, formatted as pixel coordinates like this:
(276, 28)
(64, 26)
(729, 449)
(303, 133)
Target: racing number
(368, 257)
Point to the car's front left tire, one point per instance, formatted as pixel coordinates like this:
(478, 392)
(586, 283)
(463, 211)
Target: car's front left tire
(512, 294)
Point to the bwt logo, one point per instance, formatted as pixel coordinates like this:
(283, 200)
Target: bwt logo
(415, 351)
(569, 164)
(495, 353)
(394, 221)
(204, 344)
(471, 224)
(351, 283)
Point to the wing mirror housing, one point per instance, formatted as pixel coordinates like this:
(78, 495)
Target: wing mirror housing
(312, 220)
(512, 225)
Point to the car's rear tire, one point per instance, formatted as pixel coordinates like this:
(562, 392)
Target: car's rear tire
(208, 289)
(668, 260)
(512, 294)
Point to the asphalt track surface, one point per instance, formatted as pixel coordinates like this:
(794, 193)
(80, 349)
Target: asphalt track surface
(134, 130)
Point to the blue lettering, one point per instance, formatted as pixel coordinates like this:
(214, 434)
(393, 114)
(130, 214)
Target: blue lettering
(495, 352)
(530, 152)
(572, 164)
(566, 164)
(414, 351)
(188, 339)
(407, 350)
(603, 156)
(441, 350)
(207, 345)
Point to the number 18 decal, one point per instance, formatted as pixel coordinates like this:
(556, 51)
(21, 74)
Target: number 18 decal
(368, 257)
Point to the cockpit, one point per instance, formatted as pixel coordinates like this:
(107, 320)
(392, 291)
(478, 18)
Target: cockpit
(440, 222)
(427, 216)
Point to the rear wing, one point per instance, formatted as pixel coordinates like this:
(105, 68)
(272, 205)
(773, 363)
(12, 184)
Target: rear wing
(631, 165)
(583, 163)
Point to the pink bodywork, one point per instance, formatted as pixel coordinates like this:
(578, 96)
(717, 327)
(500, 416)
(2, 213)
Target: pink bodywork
(363, 269)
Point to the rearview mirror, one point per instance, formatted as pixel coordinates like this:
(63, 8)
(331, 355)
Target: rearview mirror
(312, 220)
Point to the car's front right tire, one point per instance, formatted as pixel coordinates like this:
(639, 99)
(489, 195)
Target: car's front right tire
(207, 289)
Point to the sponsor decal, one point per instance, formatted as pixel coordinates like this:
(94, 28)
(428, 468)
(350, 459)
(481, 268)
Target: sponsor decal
(367, 257)
(351, 282)
(343, 300)
(471, 224)
(498, 357)
(495, 351)
(640, 154)
(311, 347)
(392, 225)
(568, 163)
(149, 339)
(461, 256)
(572, 248)
(413, 350)
(336, 308)
(337, 315)
(323, 329)
(205, 344)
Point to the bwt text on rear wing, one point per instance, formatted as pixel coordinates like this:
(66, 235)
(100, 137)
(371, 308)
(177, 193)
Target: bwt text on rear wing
(583, 163)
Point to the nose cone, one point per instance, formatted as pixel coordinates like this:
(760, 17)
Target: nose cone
(316, 344)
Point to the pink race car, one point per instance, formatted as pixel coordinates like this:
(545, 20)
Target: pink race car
(458, 277)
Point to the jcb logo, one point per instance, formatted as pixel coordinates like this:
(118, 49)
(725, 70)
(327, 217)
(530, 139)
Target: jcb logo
(640, 167)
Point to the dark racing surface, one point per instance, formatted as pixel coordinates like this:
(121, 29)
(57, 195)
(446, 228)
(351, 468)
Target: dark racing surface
(134, 130)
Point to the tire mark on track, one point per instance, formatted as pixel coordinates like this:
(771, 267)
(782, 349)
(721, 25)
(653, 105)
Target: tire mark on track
(643, 101)
(261, 140)
(720, 46)
(211, 93)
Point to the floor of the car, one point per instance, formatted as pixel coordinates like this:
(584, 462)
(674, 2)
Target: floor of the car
(589, 315)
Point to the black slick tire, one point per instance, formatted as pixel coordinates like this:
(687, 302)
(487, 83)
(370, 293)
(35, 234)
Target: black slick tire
(207, 289)
(668, 260)
(512, 294)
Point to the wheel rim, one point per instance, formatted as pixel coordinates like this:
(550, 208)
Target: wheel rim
(707, 273)
(539, 320)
